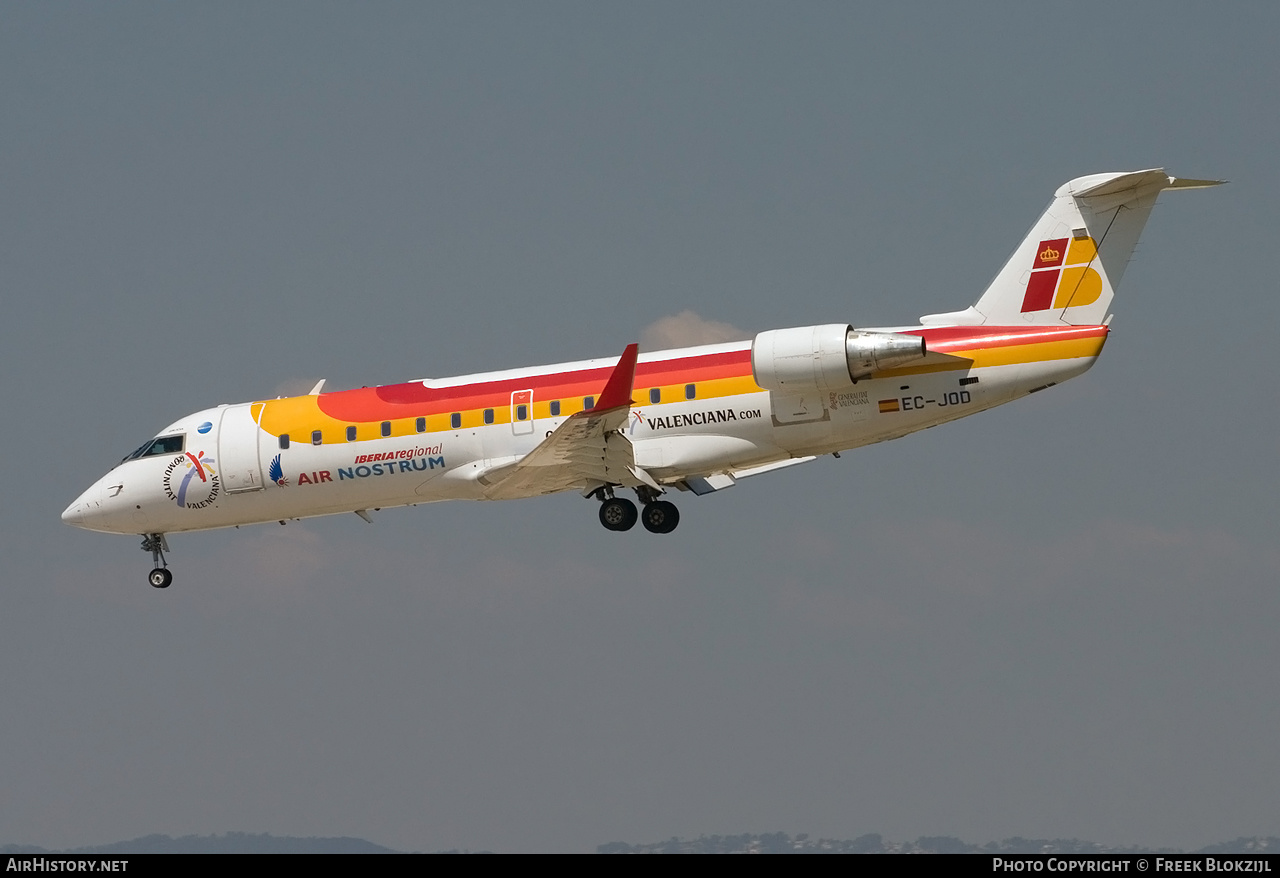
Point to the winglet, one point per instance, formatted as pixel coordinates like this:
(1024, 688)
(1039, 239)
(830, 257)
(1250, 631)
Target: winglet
(617, 392)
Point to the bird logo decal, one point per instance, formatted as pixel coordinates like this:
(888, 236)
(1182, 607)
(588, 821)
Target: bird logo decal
(276, 472)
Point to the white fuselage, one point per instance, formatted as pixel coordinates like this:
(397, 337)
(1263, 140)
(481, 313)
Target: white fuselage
(233, 470)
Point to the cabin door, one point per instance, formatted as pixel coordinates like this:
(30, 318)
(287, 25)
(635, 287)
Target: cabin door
(238, 459)
(522, 412)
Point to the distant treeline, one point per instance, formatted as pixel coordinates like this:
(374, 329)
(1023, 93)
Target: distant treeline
(781, 843)
(231, 843)
(762, 843)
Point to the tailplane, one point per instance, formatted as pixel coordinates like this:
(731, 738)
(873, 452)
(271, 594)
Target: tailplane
(1067, 268)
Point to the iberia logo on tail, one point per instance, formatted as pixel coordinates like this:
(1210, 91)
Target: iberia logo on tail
(1061, 276)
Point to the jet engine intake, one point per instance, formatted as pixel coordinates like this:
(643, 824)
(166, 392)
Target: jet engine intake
(828, 357)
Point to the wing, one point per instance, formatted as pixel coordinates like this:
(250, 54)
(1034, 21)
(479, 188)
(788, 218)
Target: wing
(585, 451)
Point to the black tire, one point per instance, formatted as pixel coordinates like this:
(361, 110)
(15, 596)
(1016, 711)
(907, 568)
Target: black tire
(160, 578)
(618, 514)
(661, 517)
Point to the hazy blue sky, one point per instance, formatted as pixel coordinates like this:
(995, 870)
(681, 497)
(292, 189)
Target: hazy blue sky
(1056, 619)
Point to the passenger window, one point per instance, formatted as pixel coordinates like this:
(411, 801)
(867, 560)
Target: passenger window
(284, 441)
(455, 420)
(588, 402)
(386, 428)
(421, 425)
(555, 408)
(522, 412)
(690, 391)
(488, 416)
(315, 437)
(655, 395)
(351, 434)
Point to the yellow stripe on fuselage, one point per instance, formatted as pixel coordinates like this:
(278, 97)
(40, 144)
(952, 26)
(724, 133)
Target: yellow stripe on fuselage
(299, 416)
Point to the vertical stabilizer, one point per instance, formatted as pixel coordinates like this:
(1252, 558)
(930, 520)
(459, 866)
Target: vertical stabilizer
(1067, 268)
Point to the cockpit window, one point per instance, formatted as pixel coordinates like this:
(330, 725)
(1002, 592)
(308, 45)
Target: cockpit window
(163, 445)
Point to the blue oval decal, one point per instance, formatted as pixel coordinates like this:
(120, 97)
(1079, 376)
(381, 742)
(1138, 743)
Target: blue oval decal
(205, 427)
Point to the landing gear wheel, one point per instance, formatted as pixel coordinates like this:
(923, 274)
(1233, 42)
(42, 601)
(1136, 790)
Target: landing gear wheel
(660, 517)
(617, 513)
(160, 577)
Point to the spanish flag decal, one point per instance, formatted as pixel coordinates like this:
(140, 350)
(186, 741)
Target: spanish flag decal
(888, 405)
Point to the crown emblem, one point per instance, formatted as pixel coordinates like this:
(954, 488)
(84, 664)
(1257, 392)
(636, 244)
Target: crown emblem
(1048, 254)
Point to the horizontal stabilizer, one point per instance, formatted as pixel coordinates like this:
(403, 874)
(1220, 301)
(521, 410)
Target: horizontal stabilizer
(1188, 183)
(1114, 184)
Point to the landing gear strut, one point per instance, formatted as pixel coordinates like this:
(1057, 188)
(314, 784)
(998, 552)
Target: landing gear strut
(160, 577)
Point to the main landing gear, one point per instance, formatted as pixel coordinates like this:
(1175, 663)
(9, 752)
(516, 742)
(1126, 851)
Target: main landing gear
(160, 577)
(618, 513)
(660, 517)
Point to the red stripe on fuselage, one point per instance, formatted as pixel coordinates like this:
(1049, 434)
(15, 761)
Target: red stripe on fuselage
(945, 339)
(414, 398)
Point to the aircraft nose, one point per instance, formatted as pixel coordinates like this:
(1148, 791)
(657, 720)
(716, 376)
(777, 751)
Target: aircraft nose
(87, 508)
(74, 514)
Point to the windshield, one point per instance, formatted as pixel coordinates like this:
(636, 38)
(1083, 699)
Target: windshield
(161, 445)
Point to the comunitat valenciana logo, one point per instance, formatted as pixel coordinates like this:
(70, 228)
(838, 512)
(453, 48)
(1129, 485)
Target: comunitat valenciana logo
(191, 482)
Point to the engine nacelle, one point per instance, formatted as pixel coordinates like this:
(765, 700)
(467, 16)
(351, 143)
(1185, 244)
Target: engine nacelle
(828, 357)
(872, 352)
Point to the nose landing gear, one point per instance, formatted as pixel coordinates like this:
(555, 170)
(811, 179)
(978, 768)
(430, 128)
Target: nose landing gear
(160, 577)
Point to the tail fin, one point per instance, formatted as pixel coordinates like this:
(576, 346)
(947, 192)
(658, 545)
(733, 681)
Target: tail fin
(1067, 268)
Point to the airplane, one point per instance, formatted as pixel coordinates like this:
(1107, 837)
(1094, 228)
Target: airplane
(693, 420)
